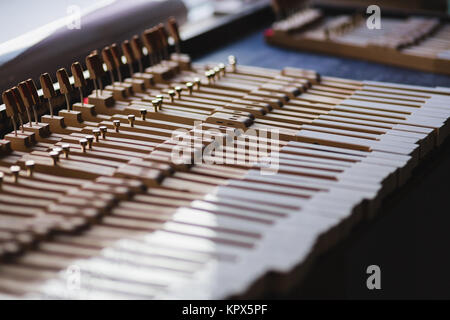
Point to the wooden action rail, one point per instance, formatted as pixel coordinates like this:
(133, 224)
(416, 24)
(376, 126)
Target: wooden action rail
(172, 179)
(415, 42)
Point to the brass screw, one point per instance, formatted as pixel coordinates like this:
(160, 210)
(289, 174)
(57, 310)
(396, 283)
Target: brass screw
(190, 86)
(208, 76)
(217, 72)
(160, 102)
(172, 95)
(30, 164)
(178, 90)
(55, 156)
(103, 130)
(213, 74)
(90, 140)
(232, 62)
(96, 133)
(160, 97)
(155, 103)
(15, 172)
(197, 82)
(66, 149)
(116, 124)
(143, 113)
(131, 119)
(83, 143)
(222, 69)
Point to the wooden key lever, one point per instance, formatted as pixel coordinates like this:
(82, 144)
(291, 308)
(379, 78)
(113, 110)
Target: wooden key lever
(160, 72)
(71, 118)
(136, 46)
(16, 107)
(148, 40)
(138, 85)
(17, 141)
(163, 48)
(34, 95)
(88, 111)
(48, 90)
(175, 34)
(56, 122)
(129, 56)
(118, 92)
(11, 108)
(183, 60)
(133, 85)
(133, 52)
(64, 85)
(19, 104)
(27, 100)
(95, 67)
(29, 96)
(79, 80)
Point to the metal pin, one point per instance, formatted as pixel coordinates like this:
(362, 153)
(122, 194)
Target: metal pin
(14, 125)
(178, 90)
(50, 106)
(95, 88)
(81, 96)
(197, 82)
(2, 175)
(67, 101)
(35, 114)
(190, 86)
(30, 164)
(103, 130)
(141, 68)
(130, 68)
(172, 95)
(116, 124)
(100, 83)
(131, 119)
(15, 172)
(143, 113)
(90, 140)
(222, 69)
(160, 102)
(83, 144)
(213, 74)
(208, 76)
(161, 98)
(155, 103)
(29, 117)
(111, 73)
(96, 133)
(66, 149)
(21, 123)
(232, 62)
(217, 72)
(55, 156)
